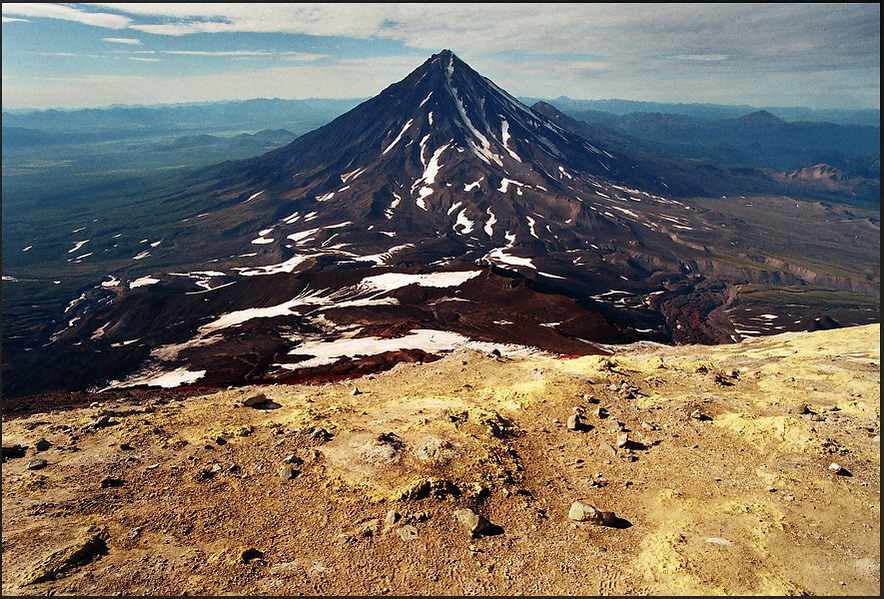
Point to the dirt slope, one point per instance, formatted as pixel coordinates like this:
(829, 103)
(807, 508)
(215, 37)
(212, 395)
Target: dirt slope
(721, 485)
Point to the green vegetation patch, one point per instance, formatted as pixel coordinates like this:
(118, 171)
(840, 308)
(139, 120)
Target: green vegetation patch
(807, 296)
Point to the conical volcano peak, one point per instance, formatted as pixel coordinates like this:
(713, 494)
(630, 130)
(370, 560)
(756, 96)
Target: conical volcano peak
(442, 151)
(445, 57)
(447, 63)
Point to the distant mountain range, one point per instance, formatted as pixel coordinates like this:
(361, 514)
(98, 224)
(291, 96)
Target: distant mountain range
(715, 112)
(267, 113)
(776, 138)
(299, 116)
(757, 139)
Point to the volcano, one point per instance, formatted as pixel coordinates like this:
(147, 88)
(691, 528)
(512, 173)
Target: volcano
(440, 213)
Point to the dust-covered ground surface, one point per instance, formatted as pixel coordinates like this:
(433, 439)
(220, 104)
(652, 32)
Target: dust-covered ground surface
(749, 469)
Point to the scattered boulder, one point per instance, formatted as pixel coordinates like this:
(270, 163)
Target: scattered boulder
(111, 482)
(251, 555)
(287, 472)
(255, 400)
(839, 470)
(617, 425)
(623, 440)
(319, 434)
(370, 527)
(628, 391)
(608, 448)
(102, 421)
(42, 445)
(722, 380)
(391, 518)
(13, 451)
(698, 415)
(80, 553)
(583, 512)
(472, 521)
(432, 487)
(407, 532)
(575, 423)
(37, 464)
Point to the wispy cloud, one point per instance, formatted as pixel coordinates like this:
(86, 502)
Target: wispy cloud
(699, 57)
(122, 40)
(143, 59)
(694, 32)
(13, 20)
(53, 54)
(66, 13)
(248, 54)
(655, 51)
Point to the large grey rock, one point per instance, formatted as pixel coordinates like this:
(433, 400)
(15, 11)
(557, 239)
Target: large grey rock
(255, 400)
(583, 512)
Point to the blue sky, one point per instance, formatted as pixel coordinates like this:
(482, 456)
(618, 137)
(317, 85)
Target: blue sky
(773, 54)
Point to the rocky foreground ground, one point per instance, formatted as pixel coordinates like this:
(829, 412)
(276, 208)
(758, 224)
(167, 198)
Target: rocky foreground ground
(738, 469)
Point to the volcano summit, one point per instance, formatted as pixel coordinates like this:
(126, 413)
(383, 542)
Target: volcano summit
(442, 213)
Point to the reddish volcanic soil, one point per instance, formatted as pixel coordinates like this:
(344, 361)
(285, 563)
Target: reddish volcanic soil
(460, 477)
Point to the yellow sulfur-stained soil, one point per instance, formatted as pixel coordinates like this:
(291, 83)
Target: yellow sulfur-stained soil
(715, 461)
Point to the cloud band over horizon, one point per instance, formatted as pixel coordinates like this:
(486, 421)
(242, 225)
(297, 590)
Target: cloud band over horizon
(815, 55)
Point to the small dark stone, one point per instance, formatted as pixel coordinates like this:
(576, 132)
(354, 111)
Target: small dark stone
(42, 445)
(37, 464)
(110, 482)
(14, 451)
(251, 555)
(698, 415)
